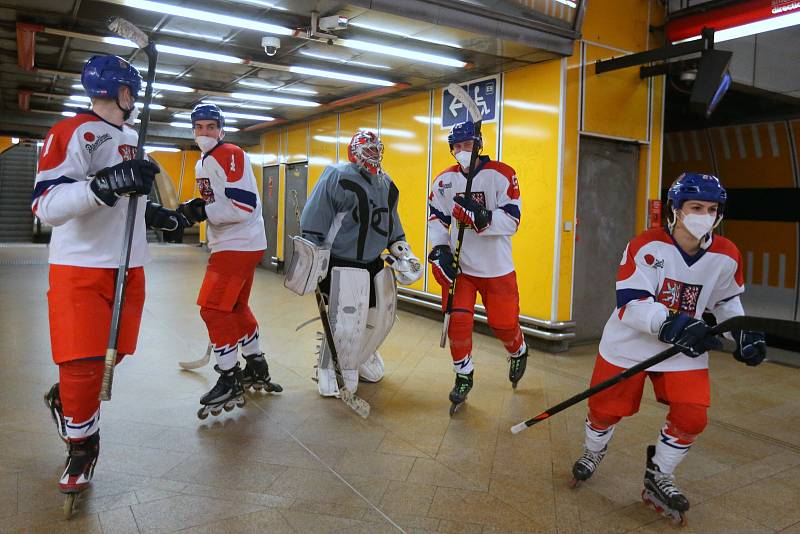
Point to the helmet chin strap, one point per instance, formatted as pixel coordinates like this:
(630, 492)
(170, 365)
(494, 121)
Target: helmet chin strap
(126, 113)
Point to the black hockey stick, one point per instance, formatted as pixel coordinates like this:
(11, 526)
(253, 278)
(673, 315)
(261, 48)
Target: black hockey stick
(125, 29)
(773, 327)
(356, 403)
(477, 118)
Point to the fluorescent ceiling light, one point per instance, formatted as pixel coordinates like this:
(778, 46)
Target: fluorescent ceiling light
(199, 54)
(151, 106)
(80, 98)
(340, 76)
(231, 129)
(77, 86)
(236, 104)
(74, 105)
(180, 124)
(343, 61)
(15, 140)
(189, 116)
(401, 52)
(190, 34)
(257, 83)
(275, 99)
(752, 28)
(68, 113)
(568, 3)
(170, 87)
(378, 29)
(205, 16)
(160, 70)
(247, 116)
(261, 3)
(296, 90)
(150, 148)
(119, 41)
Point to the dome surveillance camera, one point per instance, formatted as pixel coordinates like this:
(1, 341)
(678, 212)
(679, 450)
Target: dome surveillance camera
(271, 45)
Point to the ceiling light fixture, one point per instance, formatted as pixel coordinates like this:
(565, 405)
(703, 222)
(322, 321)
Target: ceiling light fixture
(401, 52)
(205, 16)
(256, 83)
(379, 29)
(275, 99)
(340, 76)
(236, 104)
(752, 28)
(341, 60)
(169, 87)
(296, 90)
(68, 113)
(190, 34)
(261, 3)
(151, 148)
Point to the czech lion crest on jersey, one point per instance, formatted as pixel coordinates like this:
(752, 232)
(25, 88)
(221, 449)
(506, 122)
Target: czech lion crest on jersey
(204, 186)
(680, 297)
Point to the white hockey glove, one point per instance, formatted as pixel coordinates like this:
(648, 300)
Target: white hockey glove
(406, 266)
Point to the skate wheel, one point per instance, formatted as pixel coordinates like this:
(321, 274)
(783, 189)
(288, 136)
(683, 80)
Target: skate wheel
(216, 411)
(202, 413)
(240, 402)
(228, 407)
(514, 385)
(257, 387)
(69, 503)
(454, 408)
(275, 388)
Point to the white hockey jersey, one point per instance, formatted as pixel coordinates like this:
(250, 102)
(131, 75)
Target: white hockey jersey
(495, 186)
(656, 277)
(86, 232)
(226, 182)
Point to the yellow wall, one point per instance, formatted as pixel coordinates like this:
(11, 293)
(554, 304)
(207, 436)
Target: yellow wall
(5, 142)
(544, 109)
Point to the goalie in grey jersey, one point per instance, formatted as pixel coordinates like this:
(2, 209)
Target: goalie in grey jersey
(352, 216)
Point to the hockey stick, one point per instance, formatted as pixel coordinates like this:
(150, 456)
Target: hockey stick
(125, 29)
(197, 364)
(774, 327)
(354, 402)
(477, 118)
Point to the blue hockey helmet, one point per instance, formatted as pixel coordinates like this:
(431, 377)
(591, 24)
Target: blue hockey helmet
(464, 131)
(102, 76)
(696, 186)
(208, 112)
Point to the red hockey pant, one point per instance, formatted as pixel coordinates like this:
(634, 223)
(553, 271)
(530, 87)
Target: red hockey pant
(500, 298)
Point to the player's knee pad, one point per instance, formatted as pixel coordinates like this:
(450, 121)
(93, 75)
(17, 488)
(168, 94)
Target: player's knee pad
(686, 421)
(79, 385)
(601, 421)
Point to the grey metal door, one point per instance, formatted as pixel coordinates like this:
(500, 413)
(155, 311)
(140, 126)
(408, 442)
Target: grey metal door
(269, 201)
(295, 199)
(606, 212)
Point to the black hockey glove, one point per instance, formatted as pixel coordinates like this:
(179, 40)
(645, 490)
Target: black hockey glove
(129, 177)
(690, 334)
(443, 265)
(193, 210)
(158, 217)
(751, 348)
(469, 212)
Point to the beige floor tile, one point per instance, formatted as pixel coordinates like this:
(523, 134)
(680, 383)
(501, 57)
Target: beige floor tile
(262, 521)
(476, 507)
(431, 472)
(228, 471)
(8, 494)
(407, 498)
(324, 487)
(323, 524)
(118, 521)
(374, 464)
(183, 511)
(408, 522)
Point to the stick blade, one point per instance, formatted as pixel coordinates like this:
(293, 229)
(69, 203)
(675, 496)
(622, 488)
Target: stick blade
(772, 327)
(354, 402)
(127, 30)
(462, 96)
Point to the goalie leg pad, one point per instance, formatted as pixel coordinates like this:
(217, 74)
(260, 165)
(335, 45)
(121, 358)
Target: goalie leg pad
(380, 320)
(372, 370)
(309, 265)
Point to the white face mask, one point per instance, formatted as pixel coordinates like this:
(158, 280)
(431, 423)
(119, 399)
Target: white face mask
(206, 143)
(463, 158)
(699, 225)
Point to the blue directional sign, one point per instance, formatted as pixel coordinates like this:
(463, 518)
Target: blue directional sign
(483, 92)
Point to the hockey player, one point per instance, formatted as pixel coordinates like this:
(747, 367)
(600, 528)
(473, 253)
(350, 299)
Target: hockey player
(230, 204)
(352, 214)
(491, 216)
(86, 165)
(666, 280)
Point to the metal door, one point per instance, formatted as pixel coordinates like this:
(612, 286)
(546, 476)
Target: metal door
(606, 221)
(269, 201)
(295, 199)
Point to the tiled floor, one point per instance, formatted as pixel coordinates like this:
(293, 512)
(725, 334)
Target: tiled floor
(296, 462)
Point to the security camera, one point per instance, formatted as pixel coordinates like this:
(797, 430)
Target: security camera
(271, 45)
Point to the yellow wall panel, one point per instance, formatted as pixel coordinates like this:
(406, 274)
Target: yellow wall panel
(619, 23)
(531, 117)
(773, 238)
(270, 147)
(362, 118)
(297, 143)
(5, 143)
(322, 147)
(405, 159)
(747, 160)
(188, 186)
(615, 103)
